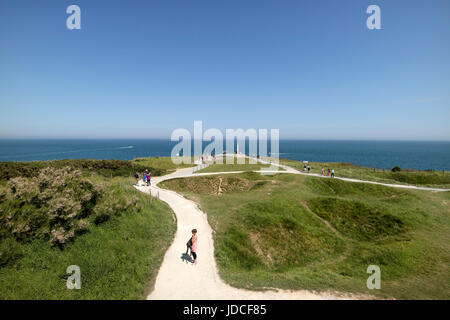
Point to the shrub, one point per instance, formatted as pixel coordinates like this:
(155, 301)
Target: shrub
(396, 169)
(107, 168)
(55, 205)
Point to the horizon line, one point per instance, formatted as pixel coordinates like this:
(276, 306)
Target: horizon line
(281, 139)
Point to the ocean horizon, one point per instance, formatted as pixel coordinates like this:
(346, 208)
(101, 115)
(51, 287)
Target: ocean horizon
(421, 155)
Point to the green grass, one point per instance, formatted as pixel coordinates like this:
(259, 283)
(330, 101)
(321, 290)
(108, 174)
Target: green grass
(235, 166)
(109, 168)
(299, 232)
(355, 219)
(164, 163)
(119, 258)
(429, 178)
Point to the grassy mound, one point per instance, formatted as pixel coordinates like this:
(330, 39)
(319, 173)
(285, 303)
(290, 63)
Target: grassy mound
(355, 219)
(235, 164)
(303, 232)
(55, 206)
(335, 187)
(249, 238)
(212, 185)
(162, 163)
(118, 259)
(433, 178)
(57, 217)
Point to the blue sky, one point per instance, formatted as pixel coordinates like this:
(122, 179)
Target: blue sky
(140, 69)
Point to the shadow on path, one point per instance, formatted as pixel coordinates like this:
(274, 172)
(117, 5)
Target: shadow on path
(186, 258)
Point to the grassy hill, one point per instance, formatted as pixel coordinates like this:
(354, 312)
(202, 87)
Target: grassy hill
(425, 178)
(55, 214)
(242, 164)
(298, 232)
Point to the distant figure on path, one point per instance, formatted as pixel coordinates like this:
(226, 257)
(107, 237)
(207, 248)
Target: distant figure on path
(328, 172)
(332, 173)
(148, 179)
(144, 178)
(309, 168)
(194, 245)
(323, 171)
(136, 176)
(304, 167)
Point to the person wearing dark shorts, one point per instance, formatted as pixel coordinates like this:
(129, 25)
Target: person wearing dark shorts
(194, 245)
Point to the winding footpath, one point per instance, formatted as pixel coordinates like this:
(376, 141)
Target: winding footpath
(179, 279)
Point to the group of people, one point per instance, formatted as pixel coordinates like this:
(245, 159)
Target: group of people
(328, 172)
(146, 177)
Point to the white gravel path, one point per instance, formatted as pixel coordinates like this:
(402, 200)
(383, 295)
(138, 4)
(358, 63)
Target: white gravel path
(179, 279)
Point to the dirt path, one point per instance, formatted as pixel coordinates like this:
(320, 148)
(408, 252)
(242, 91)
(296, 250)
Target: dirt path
(180, 279)
(401, 186)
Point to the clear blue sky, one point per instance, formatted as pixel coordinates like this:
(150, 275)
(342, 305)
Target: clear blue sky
(143, 68)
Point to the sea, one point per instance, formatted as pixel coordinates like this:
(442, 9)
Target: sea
(422, 155)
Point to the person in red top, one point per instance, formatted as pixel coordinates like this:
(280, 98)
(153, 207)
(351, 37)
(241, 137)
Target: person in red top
(194, 245)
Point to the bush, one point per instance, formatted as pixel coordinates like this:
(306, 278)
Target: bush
(396, 169)
(55, 205)
(107, 168)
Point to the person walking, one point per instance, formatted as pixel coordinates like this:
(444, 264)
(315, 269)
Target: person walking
(323, 171)
(332, 173)
(328, 173)
(136, 176)
(194, 245)
(149, 183)
(144, 178)
(309, 168)
(189, 246)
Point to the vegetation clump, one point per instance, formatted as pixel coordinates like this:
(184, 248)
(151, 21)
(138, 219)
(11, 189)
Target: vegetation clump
(107, 168)
(80, 212)
(56, 205)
